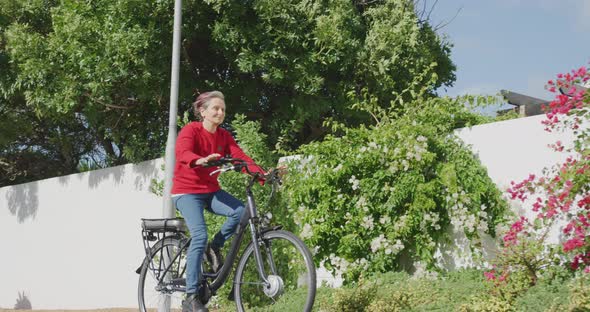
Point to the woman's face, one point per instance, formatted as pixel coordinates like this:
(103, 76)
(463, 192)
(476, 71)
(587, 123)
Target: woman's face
(215, 112)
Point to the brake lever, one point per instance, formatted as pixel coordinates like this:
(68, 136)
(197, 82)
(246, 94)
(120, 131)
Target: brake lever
(222, 169)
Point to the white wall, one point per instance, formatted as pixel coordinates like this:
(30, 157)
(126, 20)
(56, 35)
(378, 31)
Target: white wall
(74, 242)
(513, 149)
(510, 150)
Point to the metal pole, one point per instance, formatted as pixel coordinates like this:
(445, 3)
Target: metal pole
(168, 210)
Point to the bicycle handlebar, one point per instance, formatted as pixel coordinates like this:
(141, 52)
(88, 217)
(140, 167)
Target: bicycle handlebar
(238, 164)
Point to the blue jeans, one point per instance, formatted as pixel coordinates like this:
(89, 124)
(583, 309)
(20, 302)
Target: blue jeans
(191, 206)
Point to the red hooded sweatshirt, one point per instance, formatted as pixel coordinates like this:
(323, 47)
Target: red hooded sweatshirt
(196, 142)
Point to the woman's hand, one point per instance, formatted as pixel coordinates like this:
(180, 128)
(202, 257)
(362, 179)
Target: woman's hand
(204, 160)
(281, 170)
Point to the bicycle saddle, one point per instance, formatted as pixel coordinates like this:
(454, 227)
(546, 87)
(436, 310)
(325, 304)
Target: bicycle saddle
(164, 225)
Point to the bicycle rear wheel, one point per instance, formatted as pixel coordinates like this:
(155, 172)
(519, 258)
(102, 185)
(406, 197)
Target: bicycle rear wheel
(156, 291)
(291, 275)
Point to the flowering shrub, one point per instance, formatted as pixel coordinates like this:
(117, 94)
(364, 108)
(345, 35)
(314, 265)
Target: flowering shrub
(560, 198)
(372, 196)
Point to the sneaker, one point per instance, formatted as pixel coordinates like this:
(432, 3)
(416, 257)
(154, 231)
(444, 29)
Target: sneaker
(192, 304)
(214, 258)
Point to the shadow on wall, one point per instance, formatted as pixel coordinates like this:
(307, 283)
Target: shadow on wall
(457, 252)
(146, 171)
(95, 177)
(114, 174)
(23, 201)
(23, 302)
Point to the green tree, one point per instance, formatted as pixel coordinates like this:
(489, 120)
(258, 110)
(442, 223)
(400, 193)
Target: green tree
(102, 67)
(82, 83)
(310, 60)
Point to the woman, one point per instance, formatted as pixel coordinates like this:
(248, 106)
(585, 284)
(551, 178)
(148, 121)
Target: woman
(195, 190)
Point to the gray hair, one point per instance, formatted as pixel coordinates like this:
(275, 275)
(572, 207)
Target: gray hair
(203, 101)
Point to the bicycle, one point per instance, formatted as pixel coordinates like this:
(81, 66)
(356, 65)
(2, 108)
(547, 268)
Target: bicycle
(275, 263)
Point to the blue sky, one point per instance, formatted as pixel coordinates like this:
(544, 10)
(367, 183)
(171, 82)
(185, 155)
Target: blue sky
(517, 45)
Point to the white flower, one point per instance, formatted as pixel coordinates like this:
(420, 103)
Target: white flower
(340, 264)
(432, 219)
(384, 219)
(362, 263)
(315, 250)
(368, 223)
(355, 182)
(406, 165)
(307, 231)
(362, 202)
(377, 243)
(400, 224)
(337, 168)
(483, 226)
(397, 246)
(421, 139)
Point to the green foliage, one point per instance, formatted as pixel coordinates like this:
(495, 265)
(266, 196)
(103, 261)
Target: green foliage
(520, 266)
(302, 58)
(547, 296)
(81, 85)
(462, 290)
(101, 68)
(580, 294)
(486, 303)
(373, 195)
(507, 116)
(353, 299)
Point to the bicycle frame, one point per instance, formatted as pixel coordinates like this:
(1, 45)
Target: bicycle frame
(248, 220)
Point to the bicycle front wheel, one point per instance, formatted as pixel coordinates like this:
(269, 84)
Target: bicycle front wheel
(291, 276)
(161, 280)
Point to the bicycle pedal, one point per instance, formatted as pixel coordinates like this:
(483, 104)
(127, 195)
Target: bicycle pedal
(179, 281)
